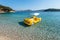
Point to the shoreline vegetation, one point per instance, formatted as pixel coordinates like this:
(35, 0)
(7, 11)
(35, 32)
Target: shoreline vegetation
(4, 9)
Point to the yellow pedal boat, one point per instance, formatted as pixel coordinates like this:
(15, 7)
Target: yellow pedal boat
(31, 21)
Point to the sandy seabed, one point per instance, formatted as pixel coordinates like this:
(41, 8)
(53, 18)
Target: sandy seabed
(18, 32)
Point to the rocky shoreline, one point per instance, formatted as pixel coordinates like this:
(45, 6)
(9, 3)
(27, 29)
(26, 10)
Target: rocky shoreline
(4, 9)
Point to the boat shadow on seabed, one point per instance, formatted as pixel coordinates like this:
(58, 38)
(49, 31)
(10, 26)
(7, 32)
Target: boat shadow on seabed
(23, 24)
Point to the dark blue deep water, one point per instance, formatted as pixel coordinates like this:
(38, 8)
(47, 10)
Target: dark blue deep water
(11, 25)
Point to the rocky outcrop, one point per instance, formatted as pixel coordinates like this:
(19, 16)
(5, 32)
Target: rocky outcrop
(5, 9)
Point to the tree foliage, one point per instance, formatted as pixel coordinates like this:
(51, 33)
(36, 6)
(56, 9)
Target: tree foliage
(5, 8)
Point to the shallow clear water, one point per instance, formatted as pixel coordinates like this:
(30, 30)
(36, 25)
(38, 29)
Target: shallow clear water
(12, 26)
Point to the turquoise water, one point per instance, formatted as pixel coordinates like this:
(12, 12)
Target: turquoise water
(12, 26)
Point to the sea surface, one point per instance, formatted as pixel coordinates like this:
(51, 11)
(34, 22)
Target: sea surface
(13, 28)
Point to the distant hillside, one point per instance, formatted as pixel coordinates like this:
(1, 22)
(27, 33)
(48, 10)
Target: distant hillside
(52, 9)
(43, 10)
(30, 11)
(5, 9)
